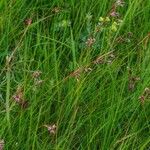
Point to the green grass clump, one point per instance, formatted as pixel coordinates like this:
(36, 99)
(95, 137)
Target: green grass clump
(74, 75)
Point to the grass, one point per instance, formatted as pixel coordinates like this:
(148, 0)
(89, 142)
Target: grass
(72, 80)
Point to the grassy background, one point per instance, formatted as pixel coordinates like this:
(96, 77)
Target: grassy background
(97, 111)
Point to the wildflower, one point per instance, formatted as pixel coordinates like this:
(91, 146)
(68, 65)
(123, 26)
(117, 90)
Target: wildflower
(18, 97)
(56, 10)
(76, 73)
(38, 82)
(115, 23)
(51, 128)
(90, 41)
(131, 85)
(129, 34)
(28, 21)
(132, 82)
(120, 3)
(107, 19)
(114, 14)
(114, 27)
(142, 99)
(101, 19)
(2, 144)
(145, 95)
(36, 74)
(36, 79)
(97, 29)
(65, 23)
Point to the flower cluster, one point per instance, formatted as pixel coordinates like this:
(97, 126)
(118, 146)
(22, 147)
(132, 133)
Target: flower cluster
(36, 78)
(108, 59)
(104, 20)
(103, 59)
(56, 10)
(18, 97)
(126, 38)
(28, 21)
(51, 128)
(114, 13)
(2, 144)
(145, 95)
(65, 23)
(90, 41)
(77, 73)
(132, 80)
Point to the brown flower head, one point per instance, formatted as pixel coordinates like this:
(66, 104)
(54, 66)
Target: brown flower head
(114, 14)
(56, 10)
(90, 41)
(2, 144)
(36, 74)
(18, 97)
(142, 99)
(132, 82)
(28, 21)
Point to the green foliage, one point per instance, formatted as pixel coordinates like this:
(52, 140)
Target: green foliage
(74, 74)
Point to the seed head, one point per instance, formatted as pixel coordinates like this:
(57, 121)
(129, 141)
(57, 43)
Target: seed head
(56, 10)
(142, 99)
(28, 21)
(120, 3)
(90, 41)
(38, 82)
(18, 97)
(114, 14)
(36, 74)
(51, 128)
(2, 144)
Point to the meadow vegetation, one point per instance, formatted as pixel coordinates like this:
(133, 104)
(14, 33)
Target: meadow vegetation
(75, 75)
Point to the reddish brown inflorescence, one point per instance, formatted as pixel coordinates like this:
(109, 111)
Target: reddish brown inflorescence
(18, 97)
(2, 144)
(28, 21)
(90, 41)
